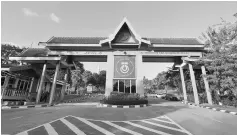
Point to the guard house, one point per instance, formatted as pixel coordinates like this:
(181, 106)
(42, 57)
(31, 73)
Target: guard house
(124, 51)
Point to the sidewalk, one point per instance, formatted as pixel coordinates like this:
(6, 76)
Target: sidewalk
(25, 106)
(230, 110)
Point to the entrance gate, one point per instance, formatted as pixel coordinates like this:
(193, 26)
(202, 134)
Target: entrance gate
(124, 51)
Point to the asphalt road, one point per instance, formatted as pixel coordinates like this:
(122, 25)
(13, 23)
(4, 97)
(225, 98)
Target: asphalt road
(164, 118)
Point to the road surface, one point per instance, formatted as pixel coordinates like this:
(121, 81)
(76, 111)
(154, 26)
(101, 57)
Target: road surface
(165, 118)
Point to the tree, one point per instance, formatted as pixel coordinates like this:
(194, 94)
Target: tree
(8, 50)
(221, 59)
(160, 80)
(87, 77)
(75, 76)
(102, 79)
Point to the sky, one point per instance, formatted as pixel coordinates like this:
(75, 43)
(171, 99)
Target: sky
(27, 23)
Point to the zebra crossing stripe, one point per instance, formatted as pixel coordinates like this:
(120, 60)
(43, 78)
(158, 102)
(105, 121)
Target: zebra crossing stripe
(146, 128)
(122, 128)
(72, 127)
(157, 119)
(159, 125)
(178, 125)
(102, 130)
(50, 129)
(22, 133)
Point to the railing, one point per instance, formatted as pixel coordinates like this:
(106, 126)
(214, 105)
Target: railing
(11, 92)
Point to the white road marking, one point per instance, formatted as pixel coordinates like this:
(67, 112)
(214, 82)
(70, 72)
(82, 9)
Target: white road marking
(178, 125)
(50, 129)
(23, 125)
(233, 113)
(72, 127)
(16, 118)
(206, 117)
(22, 133)
(25, 132)
(146, 128)
(223, 110)
(102, 130)
(40, 112)
(122, 128)
(157, 119)
(159, 125)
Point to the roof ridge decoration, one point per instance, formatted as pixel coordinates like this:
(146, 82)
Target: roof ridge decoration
(124, 21)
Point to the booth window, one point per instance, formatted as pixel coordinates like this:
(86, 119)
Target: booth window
(124, 85)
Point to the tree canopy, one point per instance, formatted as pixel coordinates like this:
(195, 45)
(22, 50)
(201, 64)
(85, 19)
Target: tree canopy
(8, 50)
(221, 40)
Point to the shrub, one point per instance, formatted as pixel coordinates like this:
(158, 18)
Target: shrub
(126, 102)
(117, 98)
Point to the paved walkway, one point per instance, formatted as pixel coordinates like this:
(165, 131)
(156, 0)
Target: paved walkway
(80, 126)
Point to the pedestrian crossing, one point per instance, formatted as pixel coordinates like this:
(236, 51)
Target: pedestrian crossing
(71, 125)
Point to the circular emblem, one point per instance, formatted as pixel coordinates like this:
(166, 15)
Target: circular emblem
(124, 67)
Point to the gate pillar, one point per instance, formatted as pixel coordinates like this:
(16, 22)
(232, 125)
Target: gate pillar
(139, 75)
(192, 76)
(109, 74)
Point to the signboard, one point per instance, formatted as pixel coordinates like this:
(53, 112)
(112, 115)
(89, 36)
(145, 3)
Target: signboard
(89, 88)
(124, 66)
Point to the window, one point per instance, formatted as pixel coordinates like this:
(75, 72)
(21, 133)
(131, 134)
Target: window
(115, 86)
(25, 86)
(22, 85)
(124, 85)
(2, 81)
(18, 85)
(11, 82)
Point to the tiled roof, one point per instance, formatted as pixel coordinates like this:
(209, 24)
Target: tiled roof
(34, 52)
(76, 40)
(179, 41)
(96, 40)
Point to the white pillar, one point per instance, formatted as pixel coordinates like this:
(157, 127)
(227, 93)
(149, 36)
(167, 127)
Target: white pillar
(64, 85)
(16, 82)
(139, 75)
(183, 85)
(41, 83)
(7, 78)
(209, 98)
(54, 83)
(109, 74)
(31, 85)
(195, 92)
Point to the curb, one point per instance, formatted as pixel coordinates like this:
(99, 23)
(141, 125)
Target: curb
(211, 108)
(24, 107)
(90, 103)
(123, 106)
(71, 101)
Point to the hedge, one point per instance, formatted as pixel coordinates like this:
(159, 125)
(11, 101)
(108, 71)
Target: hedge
(117, 98)
(125, 102)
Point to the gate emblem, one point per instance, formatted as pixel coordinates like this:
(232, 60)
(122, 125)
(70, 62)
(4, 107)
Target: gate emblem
(124, 68)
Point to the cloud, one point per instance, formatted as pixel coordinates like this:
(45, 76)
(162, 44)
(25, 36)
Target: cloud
(54, 18)
(28, 12)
